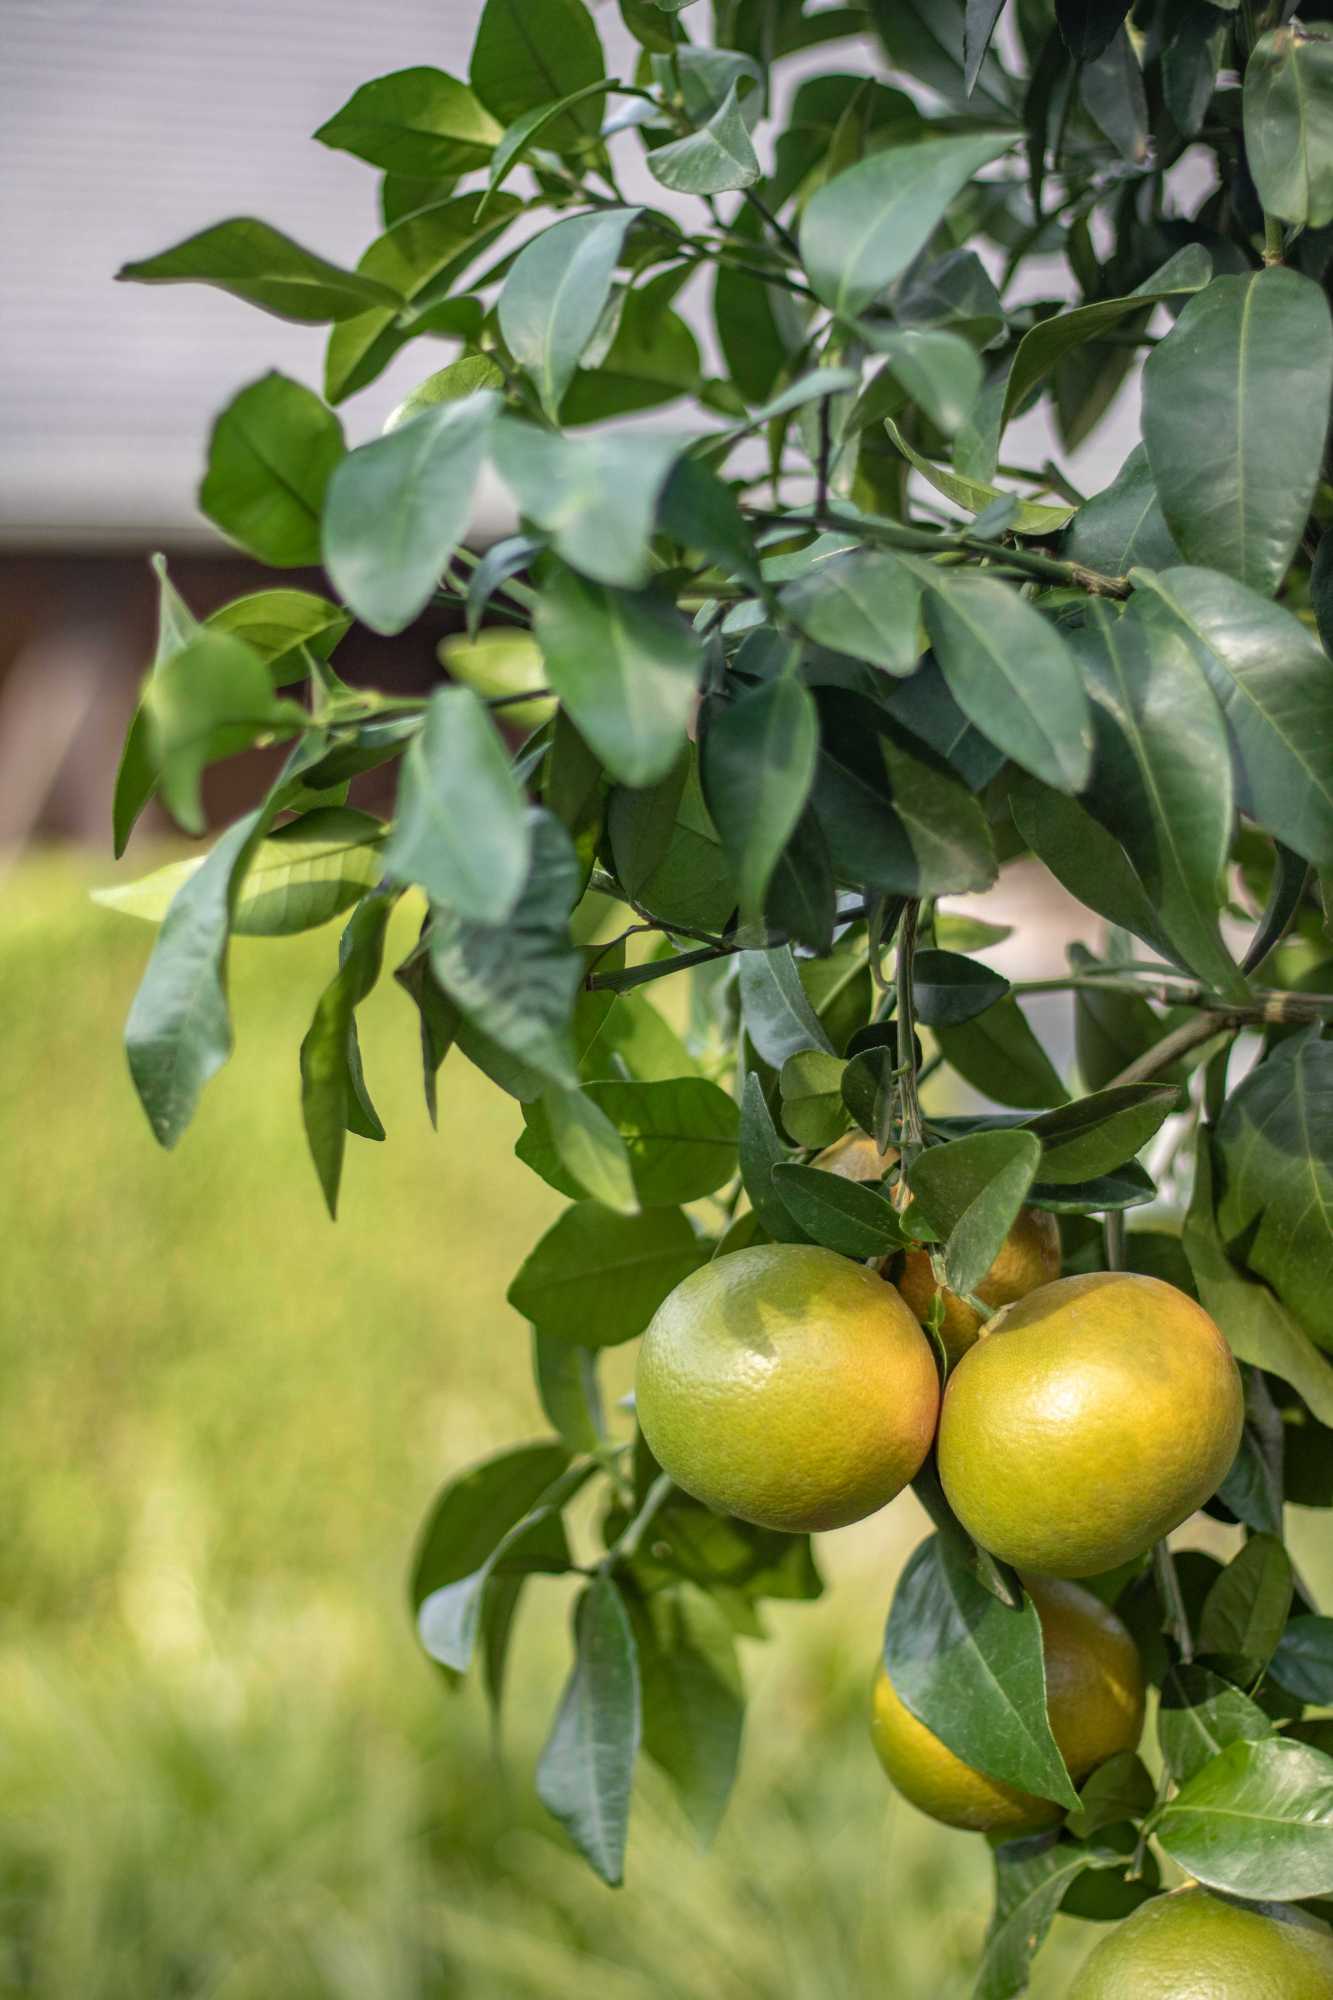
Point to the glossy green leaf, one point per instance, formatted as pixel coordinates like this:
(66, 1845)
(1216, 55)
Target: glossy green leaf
(1094, 1134)
(1013, 675)
(1199, 1715)
(1256, 1821)
(949, 988)
(693, 1701)
(305, 873)
(813, 1109)
(1043, 345)
(475, 1511)
(1275, 687)
(1123, 527)
(1303, 1660)
(587, 1765)
(667, 852)
(398, 508)
(597, 1278)
(416, 122)
(626, 666)
(265, 268)
(678, 1136)
(1125, 1187)
(462, 832)
(971, 1669)
(333, 1096)
(758, 766)
(1274, 1152)
(861, 229)
(970, 1191)
(1162, 776)
(1246, 1608)
(717, 159)
(136, 773)
(516, 979)
(1258, 1327)
(1289, 125)
(843, 1215)
(999, 1055)
(1031, 1878)
(555, 293)
(894, 820)
(1225, 402)
(778, 1017)
(211, 698)
(864, 603)
(270, 458)
(589, 1148)
(761, 1150)
(422, 256)
(282, 627)
(1031, 517)
(518, 139)
(568, 1389)
(596, 497)
(531, 52)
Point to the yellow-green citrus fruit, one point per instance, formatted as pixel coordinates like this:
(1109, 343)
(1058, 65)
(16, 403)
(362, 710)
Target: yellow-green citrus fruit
(1094, 1699)
(856, 1157)
(1196, 1946)
(1029, 1256)
(789, 1386)
(1087, 1421)
(498, 663)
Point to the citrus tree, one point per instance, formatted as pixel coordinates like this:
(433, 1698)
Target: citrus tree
(759, 684)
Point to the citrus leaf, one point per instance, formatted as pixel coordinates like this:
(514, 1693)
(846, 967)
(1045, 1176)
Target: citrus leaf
(998, 1054)
(555, 293)
(587, 1765)
(1246, 1609)
(1288, 106)
(693, 1701)
(597, 1278)
(531, 52)
(416, 122)
(678, 1136)
(1256, 1821)
(841, 1214)
(864, 603)
(970, 1192)
(758, 765)
(1200, 1714)
(265, 268)
(1303, 1661)
(716, 159)
(778, 1017)
(462, 831)
(948, 988)
(1090, 1136)
(1013, 675)
(333, 1095)
(590, 1149)
(271, 455)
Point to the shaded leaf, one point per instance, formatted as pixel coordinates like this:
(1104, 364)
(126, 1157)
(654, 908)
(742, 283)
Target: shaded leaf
(970, 1192)
(1274, 1151)
(1289, 125)
(778, 1017)
(1199, 1715)
(333, 1096)
(1246, 1608)
(758, 764)
(999, 1055)
(843, 1215)
(1013, 675)
(462, 831)
(531, 52)
(265, 268)
(1092, 1135)
(597, 1278)
(693, 1702)
(554, 295)
(271, 455)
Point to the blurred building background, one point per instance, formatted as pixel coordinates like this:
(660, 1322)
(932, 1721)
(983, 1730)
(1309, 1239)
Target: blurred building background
(226, 1771)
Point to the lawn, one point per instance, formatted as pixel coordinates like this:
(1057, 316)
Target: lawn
(227, 1771)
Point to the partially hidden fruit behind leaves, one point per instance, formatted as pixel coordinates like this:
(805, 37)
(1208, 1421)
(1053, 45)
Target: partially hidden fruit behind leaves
(499, 664)
(789, 1386)
(856, 1157)
(1088, 1420)
(1193, 1943)
(1094, 1699)
(1029, 1256)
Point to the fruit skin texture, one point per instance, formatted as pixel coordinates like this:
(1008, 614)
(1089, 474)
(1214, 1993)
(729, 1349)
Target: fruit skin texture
(1195, 1946)
(1089, 1419)
(1094, 1698)
(1029, 1256)
(789, 1386)
(856, 1157)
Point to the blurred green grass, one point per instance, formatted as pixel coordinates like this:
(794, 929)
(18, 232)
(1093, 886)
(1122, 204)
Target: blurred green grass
(226, 1769)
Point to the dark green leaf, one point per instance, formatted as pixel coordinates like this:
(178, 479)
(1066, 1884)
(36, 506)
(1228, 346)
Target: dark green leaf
(1089, 861)
(1199, 1715)
(699, 512)
(949, 988)
(1120, 1789)
(937, 371)
(518, 139)
(416, 122)
(971, 1669)
(516, 980)
(928, 40)
(1252, 1490)
(1303, 1661)
(398, 508)
(461, 833)
(1111, 91)
(555, 293)
(813, 1110)
(626, 667)
(758, 764)
(999, 1055)
(136, 775)
(596, 497)
(475, 1511)
(530, 52)
(1257, 1821)
(1128, 1187)
(270, 458)
(1087, 1138)
(333, 1096)
(860, 230)
(761, 1150)
(1274, 1152)
(1031, 517)
(1090, 26)
(1226, 398)
(970, 1191)
(667, 853)
(597, 1278)
(894, 821)
(438, 1022)
(778, 1017)
(1258, 1327)
(1123, 527)
(693, 1703)
(587, 1766)
(978, 28)
(1246, 1609)
(567, 1385)
(843, 1215)
(265, 268)
(1012, 674)
(678, 1137)
(865, 603)
(280, 625)
(1289, 125)
(1031, 1878)
(588, 1148)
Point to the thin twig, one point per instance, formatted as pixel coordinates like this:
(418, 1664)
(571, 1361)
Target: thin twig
(627, 1547)
(911, 1135)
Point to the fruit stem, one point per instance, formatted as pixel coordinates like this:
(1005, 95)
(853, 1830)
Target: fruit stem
(627, 1547)
(1172, 1598)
